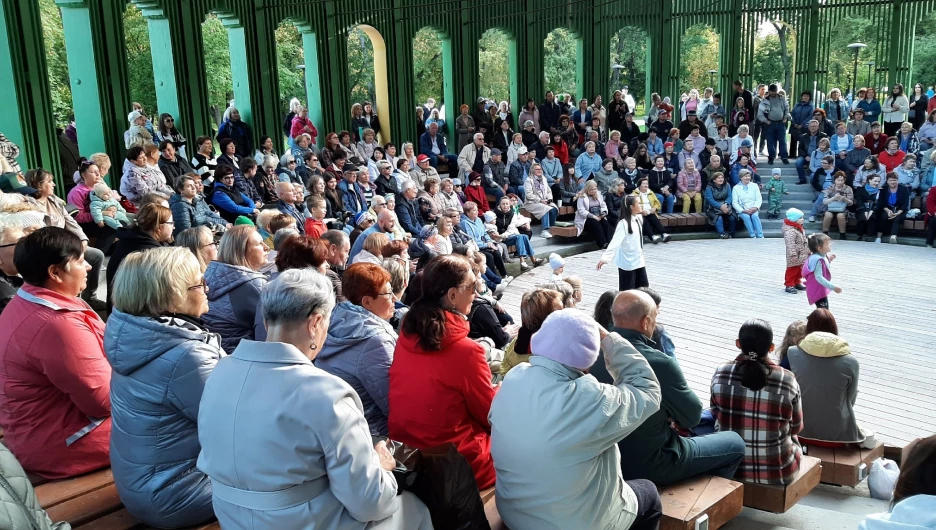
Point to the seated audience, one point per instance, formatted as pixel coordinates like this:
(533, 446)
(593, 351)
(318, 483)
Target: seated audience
(11, 232)
(440, 383)
(161, 355)
(513, 229)
(189, 208)
(591, 215)
(914, 500)
(535, 306)
(372, 250)
(152, 228)
(746, 199)
(574, 481)
(89, 174)
(200, 242)
(602, 313)
(231, 203)
(539, 199)
(655, 451)
(866, 207)
(319, 466)
(760, 401)
(838, 197)
(141, 177)
(794, 334)
(234, 284)
(828, 375)
(487, 319)
(892, 207)
(52, 365)
(360, 343)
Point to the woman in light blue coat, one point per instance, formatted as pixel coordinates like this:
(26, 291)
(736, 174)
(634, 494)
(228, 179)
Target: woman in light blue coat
(161, 356)
(361, 340)
(284, 442)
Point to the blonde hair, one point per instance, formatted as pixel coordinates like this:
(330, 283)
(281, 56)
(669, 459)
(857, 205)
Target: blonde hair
(590, 185)
(233, 246)
(101, 160)
(795, 332)
(191, 238)
(155, 282)
(264, 218)
(375, 243)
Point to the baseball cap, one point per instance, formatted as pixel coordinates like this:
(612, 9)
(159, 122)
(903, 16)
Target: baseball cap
(421, 158)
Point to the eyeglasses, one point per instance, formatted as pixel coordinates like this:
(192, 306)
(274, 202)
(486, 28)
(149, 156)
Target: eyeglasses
(9, 245)
(203, 286)
(170, 120)
(168, 223)
(212, 244)
(388, 295)
(313, 159)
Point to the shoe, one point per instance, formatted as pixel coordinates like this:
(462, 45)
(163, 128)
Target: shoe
(499, 290)
(656, 239)
(786, 161)
(843, 236)
(869, 239)
(545, 234)
(791, 290)
(525, 267)
(812, 218)
(802, 183)
(799, 287)
(877, 240)
(96, 304)
(535, 262)
(893, 239)
(511, 260)
(506, 279)
(666, 238)
(723, 236)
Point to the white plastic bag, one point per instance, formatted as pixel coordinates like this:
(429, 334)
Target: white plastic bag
(883, 478)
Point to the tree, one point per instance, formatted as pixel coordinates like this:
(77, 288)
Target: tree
(139, 61)
(427, 66)
(493, 65)
(361, 66)
(290, 55)
(217, 55)
(629, 49)
(53, 37)
(924, 53)
(849, 29)
(698, 53)
(768, 64)
(559, 53)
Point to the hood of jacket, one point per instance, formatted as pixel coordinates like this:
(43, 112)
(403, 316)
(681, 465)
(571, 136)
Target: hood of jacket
(822, 344)
(136, 239)
(175, 198)
(224, 278)
(915, 513)
(350, 324)
(131, 341)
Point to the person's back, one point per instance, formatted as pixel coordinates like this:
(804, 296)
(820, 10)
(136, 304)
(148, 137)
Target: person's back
(233, 293)
(828, 377)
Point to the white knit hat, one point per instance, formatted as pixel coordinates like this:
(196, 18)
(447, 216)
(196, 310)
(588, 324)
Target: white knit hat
(132, 117)
(556, 261)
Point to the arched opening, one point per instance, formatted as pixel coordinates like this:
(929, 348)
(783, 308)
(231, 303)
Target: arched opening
(140, 61)
(841, 67)
(290, 66)
(497, 65)
(432, 74)
(630, 64)
(562, 73)
(775, 54)
(699, 53)
(367, 74)
(217, 57)
(53, 37)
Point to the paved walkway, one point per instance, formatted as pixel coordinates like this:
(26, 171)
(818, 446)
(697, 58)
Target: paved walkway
(710, 287)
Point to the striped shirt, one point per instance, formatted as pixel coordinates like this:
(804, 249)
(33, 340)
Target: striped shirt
(767, 419)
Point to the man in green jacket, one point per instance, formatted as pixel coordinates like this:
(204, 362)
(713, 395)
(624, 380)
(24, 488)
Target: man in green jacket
(654, 451)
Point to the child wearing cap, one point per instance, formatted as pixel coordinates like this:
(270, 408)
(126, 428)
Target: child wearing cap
(557, 264)
(775, 189)
(794, 237)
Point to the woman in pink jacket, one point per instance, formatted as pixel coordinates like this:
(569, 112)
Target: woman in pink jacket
(54, 378)
(90, 174)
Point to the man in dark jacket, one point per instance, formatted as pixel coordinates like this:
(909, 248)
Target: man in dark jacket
(663, 125)
(655, 451)
(528, 133)
(407, 209)
(687, 125)
(482, 119)
(287, 204)
(518, 172)
(806, 144)
(549, 113)
(432, 144)
(171, 165)
(495, 175)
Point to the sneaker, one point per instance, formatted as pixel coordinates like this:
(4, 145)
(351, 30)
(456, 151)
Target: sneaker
(877, 240)
(723, 236)
(96, 304)
(656, 239)
(812, 218)
(511, 260)
(505, 280)
(545, 234)
(666, 238)
(525, 267)
(893, 239)
(786, 161)
(799, 287)
(791, 290)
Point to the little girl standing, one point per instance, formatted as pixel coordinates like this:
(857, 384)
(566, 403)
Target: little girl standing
(817, 271)
(626, 248)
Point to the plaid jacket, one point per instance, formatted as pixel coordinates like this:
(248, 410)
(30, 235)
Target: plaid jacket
(767, 419)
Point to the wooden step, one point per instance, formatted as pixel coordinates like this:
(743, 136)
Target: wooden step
(842, 466)
(715, 499)
(779, 499)
(564, 231)
(88, 507)
(58, 491)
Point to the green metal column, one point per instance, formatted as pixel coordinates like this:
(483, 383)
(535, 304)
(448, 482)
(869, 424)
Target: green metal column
(85, 86)
(812, 32)
(164, 68)
(240, 74)
(313, 89)
(448, 90)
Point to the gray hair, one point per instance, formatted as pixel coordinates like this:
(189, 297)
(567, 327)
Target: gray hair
(283, 235)
(544, 132)
(155, 282)
(272, 161)
(407, 185)
(399, 273)
(567, 291)
(233, 246)
(295, 295)
(382, 164)
(477, 135)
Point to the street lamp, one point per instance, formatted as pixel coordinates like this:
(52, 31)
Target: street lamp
(711, 74)
(870, 66)
(857, 46)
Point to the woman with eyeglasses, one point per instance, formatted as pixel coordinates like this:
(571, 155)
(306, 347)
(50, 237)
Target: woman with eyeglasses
(161, 355)
(230, 203)
(166, 132)
(360, 343)
(200, 242)
(152, 228)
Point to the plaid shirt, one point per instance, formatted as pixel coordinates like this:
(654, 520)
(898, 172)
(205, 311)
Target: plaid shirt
(768, 419)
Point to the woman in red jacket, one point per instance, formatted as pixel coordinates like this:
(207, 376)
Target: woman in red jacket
(54, 379)
(475, 192)
(440, 383)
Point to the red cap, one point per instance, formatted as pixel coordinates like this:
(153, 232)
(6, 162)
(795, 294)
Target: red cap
(668, 144)
(421, 158)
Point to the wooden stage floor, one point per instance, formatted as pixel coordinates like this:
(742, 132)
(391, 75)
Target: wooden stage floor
(887, 313)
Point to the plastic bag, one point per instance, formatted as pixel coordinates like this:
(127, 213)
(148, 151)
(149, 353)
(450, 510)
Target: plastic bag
(883, 478)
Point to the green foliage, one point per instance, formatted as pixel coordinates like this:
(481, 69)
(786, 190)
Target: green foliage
(773, 56)
(53, 36)
(289, 55)
(628, 49)
(427, 66)
(494, 65)
(698, 53)
(140, 61)
(217, 56)
(851, 28)
(361, 66)
(559, 54)
(924, 53)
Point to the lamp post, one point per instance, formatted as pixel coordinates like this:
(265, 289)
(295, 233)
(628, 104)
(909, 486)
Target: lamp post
(711, 74)
(857, 46)
(870, 66)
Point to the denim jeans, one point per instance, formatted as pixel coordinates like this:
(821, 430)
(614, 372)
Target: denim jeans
(753, 224)
(522, 243)
(720, 224)
(717, 454)
(818, 208)
(497, 191)
(95, 258)
(801, 165)
(452, 161)
(667, 201)
(776, 133)
(519, 191)
(549, 219)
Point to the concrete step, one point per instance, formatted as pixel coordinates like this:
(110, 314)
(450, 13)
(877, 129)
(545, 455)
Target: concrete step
(826, 507)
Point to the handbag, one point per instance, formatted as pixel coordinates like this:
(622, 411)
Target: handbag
(836, 207)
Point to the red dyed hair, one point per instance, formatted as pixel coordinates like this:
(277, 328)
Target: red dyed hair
(363, 279)
(301, 252)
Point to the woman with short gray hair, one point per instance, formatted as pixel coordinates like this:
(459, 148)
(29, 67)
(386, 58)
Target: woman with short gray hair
(319, 466)
(161, 355)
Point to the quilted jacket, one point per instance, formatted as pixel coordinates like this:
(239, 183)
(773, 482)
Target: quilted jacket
(233, 293)
(796, 248)
(12, 513)
(160, 366)
(190, 214)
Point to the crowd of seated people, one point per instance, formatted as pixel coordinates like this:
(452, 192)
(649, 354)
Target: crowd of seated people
(388, 331)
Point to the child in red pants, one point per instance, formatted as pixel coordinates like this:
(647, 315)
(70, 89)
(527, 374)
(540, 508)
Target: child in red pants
(796, 250)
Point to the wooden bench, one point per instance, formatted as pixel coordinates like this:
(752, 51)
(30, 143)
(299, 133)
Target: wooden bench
(563, 210)
(779, 499)
(693, 222)
(714, 499)
(845, 466)
(564, 231)
(490, 510)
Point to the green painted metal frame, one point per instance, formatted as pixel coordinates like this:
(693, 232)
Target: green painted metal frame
(99, 78)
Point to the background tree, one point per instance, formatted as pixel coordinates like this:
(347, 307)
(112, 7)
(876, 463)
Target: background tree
(140, 61)
(427, 66)
(628, 49)
(774, 51)
(494, 67)
(289, 55)
(53, 34)
(559, 52)
(217, 56)
(698, 53)
(361, 67)
(851, 28)
(924, 53)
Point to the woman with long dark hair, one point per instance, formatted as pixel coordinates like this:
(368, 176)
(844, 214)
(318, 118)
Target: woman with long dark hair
(626, 248)
(761, 402)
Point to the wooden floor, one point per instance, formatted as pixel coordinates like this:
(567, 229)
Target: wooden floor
(710, 287)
